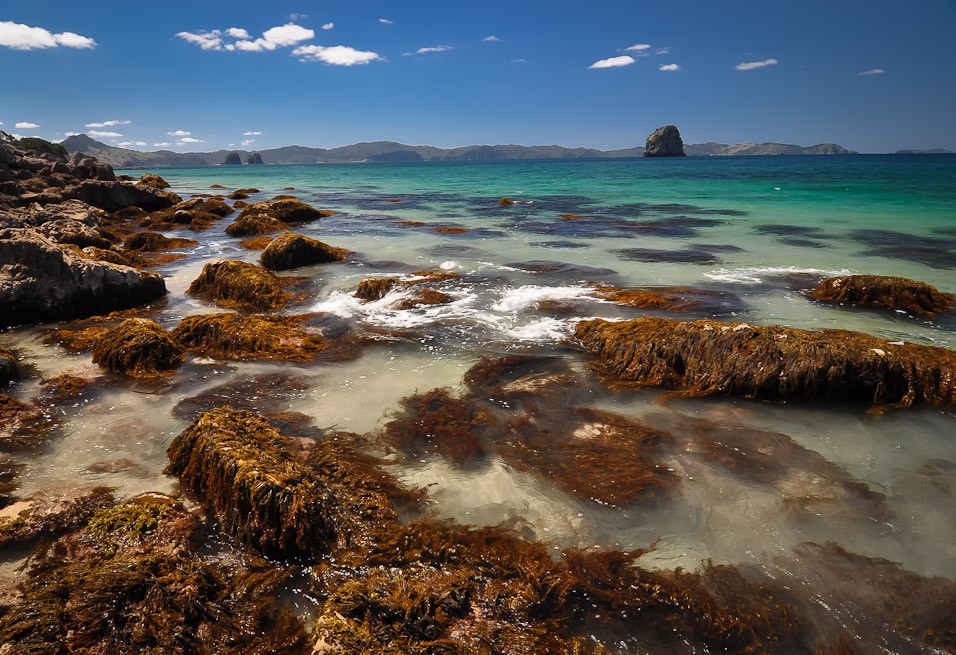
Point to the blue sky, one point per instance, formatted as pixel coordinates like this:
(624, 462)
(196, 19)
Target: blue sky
(873, 76)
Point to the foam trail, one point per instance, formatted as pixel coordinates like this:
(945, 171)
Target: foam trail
(756, 274)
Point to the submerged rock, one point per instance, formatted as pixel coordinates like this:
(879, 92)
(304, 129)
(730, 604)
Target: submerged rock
(138, 346)
(41, 281)
(885, 292)
(50, 516)
(240, 285)
(234, 336)
(707, 358)
(665, 141)
(23, 426)
(290, 250)
(9, 369)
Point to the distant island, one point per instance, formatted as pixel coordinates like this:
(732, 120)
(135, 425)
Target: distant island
(391, 151)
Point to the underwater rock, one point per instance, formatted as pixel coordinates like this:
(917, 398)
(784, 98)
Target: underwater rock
(234, 336)
(240, 285)
(708, 358)
(438, 423)
(269, 394)
(675, 299)
(153, 180)
(62, 388)
(49, 516)
(41, 281)
(154, 241)
(665, 141)
(23, 426)
(290, 250)
(138, 346)
(77, 341)
(9, 370)
(885, 292)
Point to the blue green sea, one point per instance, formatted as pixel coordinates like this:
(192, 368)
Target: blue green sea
(750, 234)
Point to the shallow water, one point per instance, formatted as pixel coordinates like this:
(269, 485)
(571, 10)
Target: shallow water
(756, 232)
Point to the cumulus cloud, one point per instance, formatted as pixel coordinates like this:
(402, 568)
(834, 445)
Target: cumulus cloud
(491, 38)
(385, 21)
(251, 133)
(638, 47)
(126, 144)
(281, 36)
(751, 65)
(669, 67)
(105, 135)
(26, 125)
(162, 144)
(205, 40)
(189, 139)
(238, 33)
(112, 123)
(178, 133)
(338, 55)
(872, 71)
(328, 26)
(434, 48)
(613, 62)
(23, 37)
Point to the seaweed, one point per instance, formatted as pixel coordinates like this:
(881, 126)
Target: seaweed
(373, 289)
(9, 369)
(270, 394)
(240, 285)
(289, 250)
(23, 426)
(707, 358)
(437, 423)
(121, 257)
(235, 336)
(77, 341)
(154, 241)
(895, 293)
(139, 347)
(256, 243)
(273, 215)
(47, 518)
(63, 387)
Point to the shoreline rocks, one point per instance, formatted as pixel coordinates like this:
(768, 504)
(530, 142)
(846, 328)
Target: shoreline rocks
(138, 347)
(884, 292)
(290, 250)
(240, 285)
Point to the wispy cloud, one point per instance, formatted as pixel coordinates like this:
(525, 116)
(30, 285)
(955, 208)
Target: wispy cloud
(26, 125)
(872, 71)
(162, 144)
(23, 37)
(385, 21)
(613, 62)
(434, 48)
(68, 134)
(126, 144)
(519, 60)
(663, 51)
(189, 139)
(751, 65)
(669, 67)
(281, 36)
(251, 133)
(105, 135)
(328, 26)
(491, 38)
(112, 123)
(638, 47)
(338, 55)
(247, 142)
(178, 133)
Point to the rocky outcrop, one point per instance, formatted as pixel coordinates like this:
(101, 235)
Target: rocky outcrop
(255, 159)
(139, 347)
(153, 180)
(196, 213)
(240, 285)
(895, 293)
(243, 337)
(113, 196)
(290, 250)
(41, 281)
(664, 142)
(232, 159)
(272, 216)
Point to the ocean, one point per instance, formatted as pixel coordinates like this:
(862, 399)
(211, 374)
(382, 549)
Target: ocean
(750, 234)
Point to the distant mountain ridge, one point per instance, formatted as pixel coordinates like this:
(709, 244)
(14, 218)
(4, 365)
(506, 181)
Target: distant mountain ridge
(392, 151)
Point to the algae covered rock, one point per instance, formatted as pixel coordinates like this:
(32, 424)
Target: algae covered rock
(138, 346)
(885, 292)
(375, 289)
(273, 215)
(9, 369)
(290, 250)
(153, 180)
(154, 241)
(234, 336)
(707, 358)
(240, 285)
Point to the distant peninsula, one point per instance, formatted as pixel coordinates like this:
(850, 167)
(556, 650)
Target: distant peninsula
(391, 151)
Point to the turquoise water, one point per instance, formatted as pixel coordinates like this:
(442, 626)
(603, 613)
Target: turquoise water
(753, 233)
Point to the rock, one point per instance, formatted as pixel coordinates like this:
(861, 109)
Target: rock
(153, 180)
(195, 213)
(23, 426)
(232, 159)
(897, 293)
(664, 142)
(138, 346)
(289, 250)
(120, 257)
(67, 230)
(154, 241)
(86, 167)
(375, 289)
(48, 516)
(711, 358)
(234, 336)
(273, 215)
(112, 196)
(41, 281)
(9, 370)
(75, 210)
(238, 195)
(240, 285)
(255, 159)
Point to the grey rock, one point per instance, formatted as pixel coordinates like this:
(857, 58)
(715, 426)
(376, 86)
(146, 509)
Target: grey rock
(67, 230)
(665, 141)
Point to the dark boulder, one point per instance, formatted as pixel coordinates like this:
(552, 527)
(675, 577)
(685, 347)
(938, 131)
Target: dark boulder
(113, 196)
(232, 159)
(665, 142)
(290, 250)
(895, 293)
(255, 159)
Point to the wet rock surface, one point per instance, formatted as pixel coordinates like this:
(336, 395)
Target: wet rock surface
(234, 336)
(137, 346)
(240, 285)
(884, 292)
(665, 141)
(290, 250)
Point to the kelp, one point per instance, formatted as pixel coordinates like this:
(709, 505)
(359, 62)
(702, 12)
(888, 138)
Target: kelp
(273, 215)
(46, 518)
(63, 387)
(374, 289)
(23, 426)
(154, 241)
(256, 243)
(240, 285)
(895, 293)
(139, 347)
(708, 358)
(244, 337)
(290, 250)
(438, 423)
(79, 340)
(114, 256)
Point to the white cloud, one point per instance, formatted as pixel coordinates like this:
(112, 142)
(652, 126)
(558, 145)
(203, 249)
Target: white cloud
(288, 35)
(205, 40)
(872, 71)
(251, 133)
(259, 45)
(338, 55)
(69, 134)
(519, 60)
(238, 33)
(23, 37)
(162, 144)
(26, 125)
(385, 21)
(669, 67)
(491, 38)
(434, 48)
(125, 144)
(663, 51)
(751, 65)
(613, 62)
(247, 142)
(105, 135)
(189, 139)
(112, 123)
(328, 26)
(281, 36)
(179, 133)
(638, 47)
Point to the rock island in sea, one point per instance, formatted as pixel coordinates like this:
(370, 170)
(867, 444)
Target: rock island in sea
(435, 412)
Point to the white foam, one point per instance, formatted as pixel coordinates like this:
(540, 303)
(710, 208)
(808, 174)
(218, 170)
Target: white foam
(757, 274)
(521, 298)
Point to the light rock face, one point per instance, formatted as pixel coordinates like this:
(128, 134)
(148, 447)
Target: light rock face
(665, 142)
(39, 281)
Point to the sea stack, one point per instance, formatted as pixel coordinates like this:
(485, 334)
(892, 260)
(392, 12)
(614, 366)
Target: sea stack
(232, 159)
(665, 142)
(255, 159)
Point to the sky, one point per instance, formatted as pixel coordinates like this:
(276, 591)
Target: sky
(873, 76)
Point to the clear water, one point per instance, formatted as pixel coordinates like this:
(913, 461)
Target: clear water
(758, 230)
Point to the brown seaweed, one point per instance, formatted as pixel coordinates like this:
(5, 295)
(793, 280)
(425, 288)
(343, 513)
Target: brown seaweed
(706, 358)
(235, 336)
(437, 423)
(138, 346)
(46, 518)
(885, 292)
(23, 426)
(154, 241)
(290, 250)
(240, 285)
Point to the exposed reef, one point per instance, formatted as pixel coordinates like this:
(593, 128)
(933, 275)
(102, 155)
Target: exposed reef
(139, 347)
(240, 285)
(290, 250)
(896, 293)
(234, 336)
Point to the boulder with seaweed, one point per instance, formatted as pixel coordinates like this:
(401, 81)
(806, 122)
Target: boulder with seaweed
(884, 292)
(138, 346)
(235, 336)
(273, 215)
(240, 285)
(154, 241)
(711, 358)
(290, 250)
(23, 426)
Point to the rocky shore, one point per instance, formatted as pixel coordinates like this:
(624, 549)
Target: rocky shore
(273, 513)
